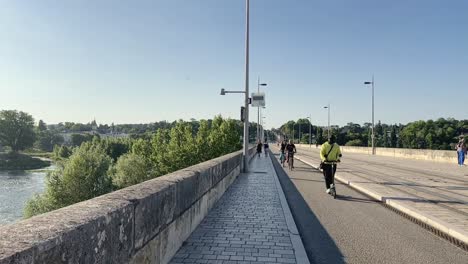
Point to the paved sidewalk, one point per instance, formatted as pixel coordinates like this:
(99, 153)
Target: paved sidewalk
(247, 225)
(433, 193)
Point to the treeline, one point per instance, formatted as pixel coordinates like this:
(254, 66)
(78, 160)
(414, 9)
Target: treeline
(101, 166)
(441, 134)
(71, 127)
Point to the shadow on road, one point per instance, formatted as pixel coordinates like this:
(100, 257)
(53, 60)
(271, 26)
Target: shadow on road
(318, 244)
(354, 199)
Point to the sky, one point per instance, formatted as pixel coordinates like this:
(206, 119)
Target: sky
(145, 61)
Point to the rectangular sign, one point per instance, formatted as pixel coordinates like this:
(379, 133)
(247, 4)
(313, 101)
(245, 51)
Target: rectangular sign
(258, 99)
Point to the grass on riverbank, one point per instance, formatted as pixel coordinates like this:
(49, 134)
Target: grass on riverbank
(17, 161)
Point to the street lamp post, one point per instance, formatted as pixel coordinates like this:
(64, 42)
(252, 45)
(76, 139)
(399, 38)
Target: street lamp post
(328, 106)
(258, 109)
(245, 151)
(373, 126)
(310, 130)
(299, 140)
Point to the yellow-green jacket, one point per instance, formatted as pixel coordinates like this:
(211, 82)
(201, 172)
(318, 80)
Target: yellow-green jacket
(334, 153)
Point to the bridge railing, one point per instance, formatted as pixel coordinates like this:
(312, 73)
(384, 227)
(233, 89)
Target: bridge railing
(418, 154)
(144, 223)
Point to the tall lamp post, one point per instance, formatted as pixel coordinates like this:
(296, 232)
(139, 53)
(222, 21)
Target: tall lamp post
(245, 151)
(328, 106)
(258, 109)
(299, 134)
(310, 130)
(373, 126)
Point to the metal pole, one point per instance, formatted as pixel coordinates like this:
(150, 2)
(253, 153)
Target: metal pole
(300, 133)
(310, 131)
(373, 126)
(258, 112)
(246, 122)
(293, 133)
(328, 122)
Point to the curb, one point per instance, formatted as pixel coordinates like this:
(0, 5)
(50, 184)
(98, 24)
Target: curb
(299, 250)
(461, 239)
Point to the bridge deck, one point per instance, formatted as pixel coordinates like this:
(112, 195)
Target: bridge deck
(432, 192)
(248, 225)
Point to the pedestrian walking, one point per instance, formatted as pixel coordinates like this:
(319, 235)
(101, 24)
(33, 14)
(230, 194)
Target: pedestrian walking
(259, 148)
(265, 148)
(461, 151)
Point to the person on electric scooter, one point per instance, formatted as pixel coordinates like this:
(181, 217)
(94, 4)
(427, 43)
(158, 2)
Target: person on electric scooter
(330, 154)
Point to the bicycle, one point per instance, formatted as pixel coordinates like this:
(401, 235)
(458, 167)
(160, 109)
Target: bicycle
(291, 160)
(282, 158)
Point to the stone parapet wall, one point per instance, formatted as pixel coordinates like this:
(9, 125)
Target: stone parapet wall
(144, 223)
(418, 154)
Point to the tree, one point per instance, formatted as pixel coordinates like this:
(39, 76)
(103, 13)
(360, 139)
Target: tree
(78, 139)
(16, 130)
(41, 126)
(130, 169)
(46, 140)
(83, 176)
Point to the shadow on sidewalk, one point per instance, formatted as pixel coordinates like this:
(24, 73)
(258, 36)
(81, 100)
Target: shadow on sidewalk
(319, 245)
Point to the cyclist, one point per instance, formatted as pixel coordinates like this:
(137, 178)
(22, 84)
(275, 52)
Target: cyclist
(291, 149)
(330, 154)
(282, 154)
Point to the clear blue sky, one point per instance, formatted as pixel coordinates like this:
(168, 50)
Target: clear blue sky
(144, 61)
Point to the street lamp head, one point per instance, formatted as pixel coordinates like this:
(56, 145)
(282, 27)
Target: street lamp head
(367, 82)
(263, 84)
(325, 107)
(223, 92)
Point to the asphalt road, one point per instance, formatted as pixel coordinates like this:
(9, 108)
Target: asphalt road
(355, 229)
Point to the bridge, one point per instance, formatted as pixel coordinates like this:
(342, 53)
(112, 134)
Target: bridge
(405, 206)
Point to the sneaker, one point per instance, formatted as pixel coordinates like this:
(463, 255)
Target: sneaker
(327, 191)
(332, 185)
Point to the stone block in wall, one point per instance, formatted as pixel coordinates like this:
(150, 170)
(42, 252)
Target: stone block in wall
(95, 231)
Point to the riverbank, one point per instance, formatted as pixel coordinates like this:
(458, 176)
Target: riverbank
(18, 161)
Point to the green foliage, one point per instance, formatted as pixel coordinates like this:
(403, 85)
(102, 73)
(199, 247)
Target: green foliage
(130, 169)
(78, 139)
(355, 142)
(41, 126)
(16, 130)
(61, 152)
(98, 165)
(439, 134)
(17, 161)
(46, 140)
(83, 176)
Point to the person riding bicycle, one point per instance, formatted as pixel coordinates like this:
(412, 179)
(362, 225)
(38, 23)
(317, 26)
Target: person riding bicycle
(291, 149)
(330, 154)
(282, 154)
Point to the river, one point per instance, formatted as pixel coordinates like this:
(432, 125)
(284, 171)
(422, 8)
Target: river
(16, 187)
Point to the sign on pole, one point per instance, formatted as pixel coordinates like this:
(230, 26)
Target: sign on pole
(258, 99)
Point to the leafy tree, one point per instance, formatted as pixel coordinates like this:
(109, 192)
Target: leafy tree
(41, 126)
(61, 152)
(16, 130)
(83, 176)
(46, 140)
(78, 139)
(130, 169)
